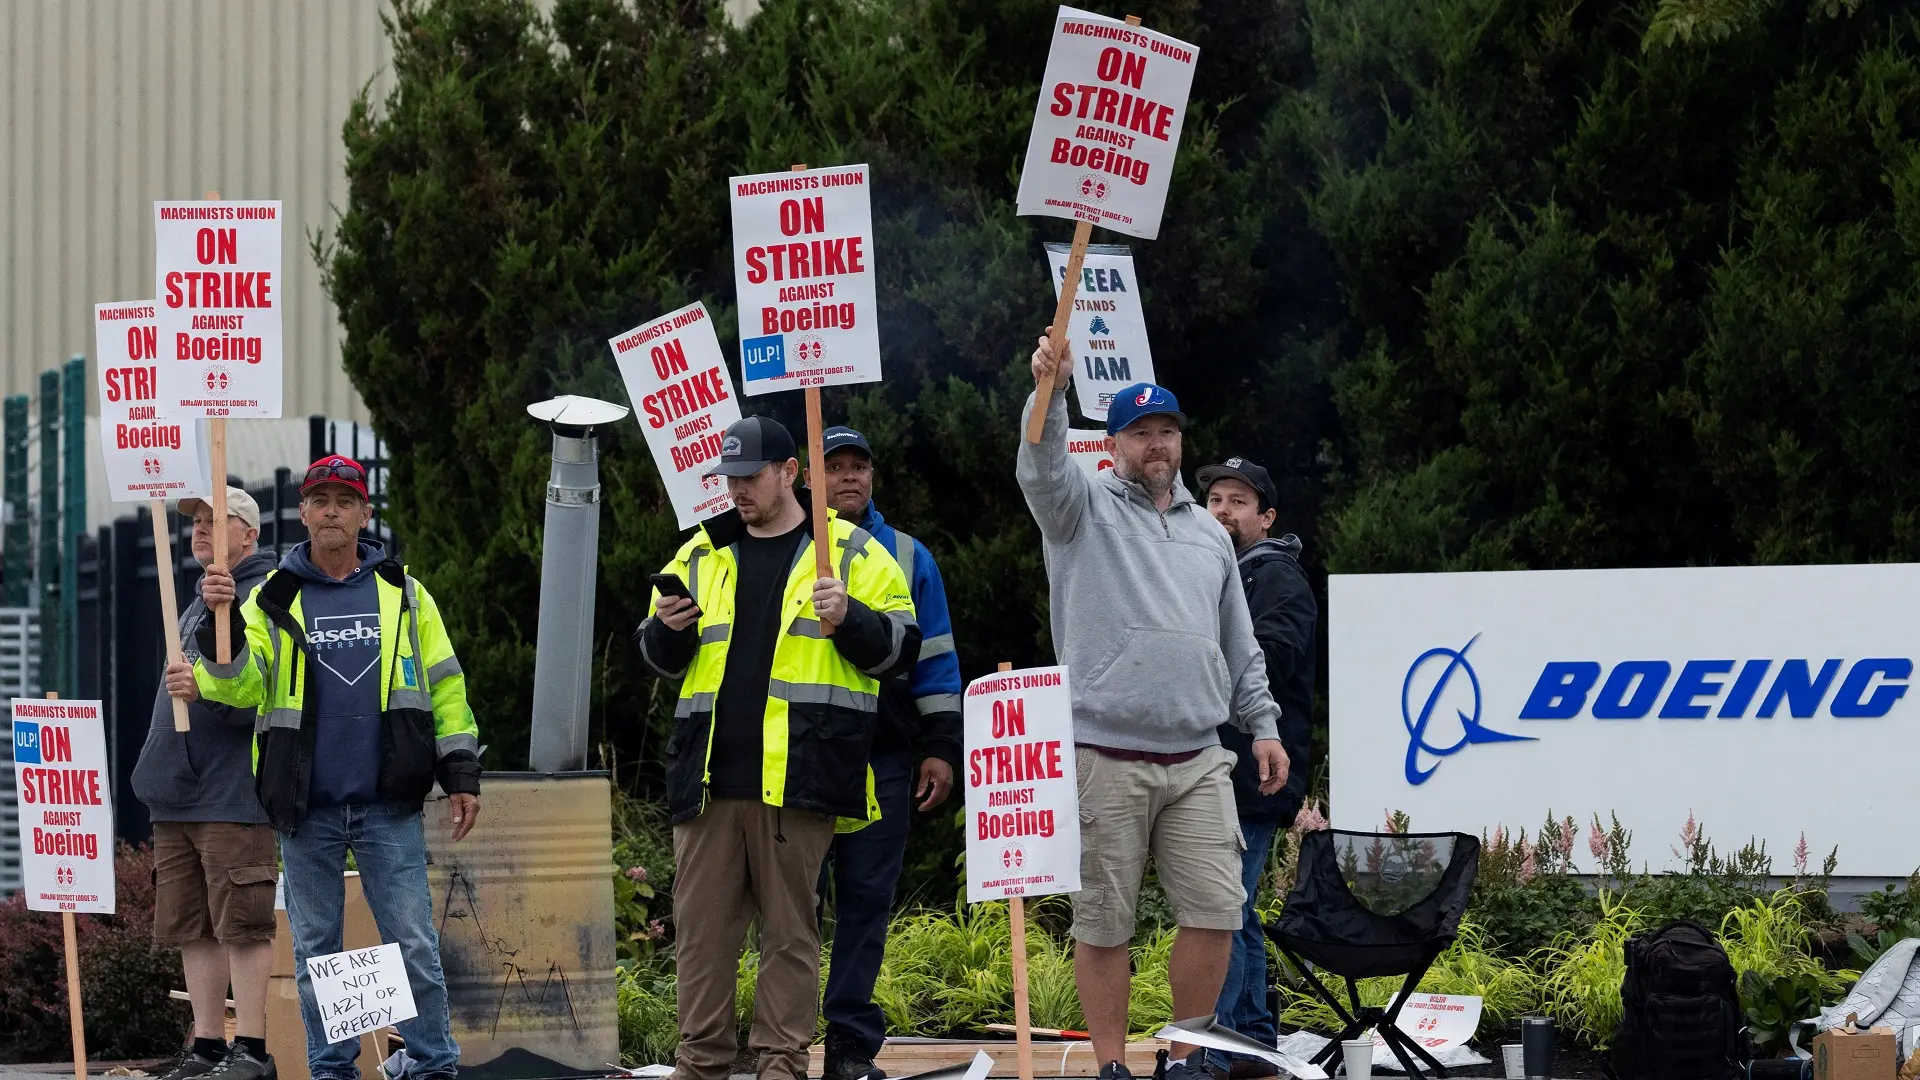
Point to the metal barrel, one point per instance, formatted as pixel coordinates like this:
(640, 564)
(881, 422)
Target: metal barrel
(524, 908)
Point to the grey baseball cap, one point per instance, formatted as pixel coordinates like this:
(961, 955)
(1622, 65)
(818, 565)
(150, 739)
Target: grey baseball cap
(751, 444)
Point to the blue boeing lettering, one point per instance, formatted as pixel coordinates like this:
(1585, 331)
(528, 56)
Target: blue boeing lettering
(1691, 685)
(1849, 702)
(1631, 688)
(1562, 690)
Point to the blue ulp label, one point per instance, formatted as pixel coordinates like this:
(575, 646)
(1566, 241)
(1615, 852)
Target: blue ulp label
(764, 357)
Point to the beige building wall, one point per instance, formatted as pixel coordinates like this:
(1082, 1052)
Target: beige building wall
(111, 104)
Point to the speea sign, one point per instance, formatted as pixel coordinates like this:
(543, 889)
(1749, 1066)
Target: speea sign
(1766, 701)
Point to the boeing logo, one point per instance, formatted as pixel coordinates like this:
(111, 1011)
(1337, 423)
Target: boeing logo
(1471, 730)
(1725, 689)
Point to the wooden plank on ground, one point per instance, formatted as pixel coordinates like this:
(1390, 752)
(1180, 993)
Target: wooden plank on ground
(1050, 1059)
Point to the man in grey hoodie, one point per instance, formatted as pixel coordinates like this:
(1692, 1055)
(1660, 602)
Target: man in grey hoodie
(1149, 617)
(214, 856)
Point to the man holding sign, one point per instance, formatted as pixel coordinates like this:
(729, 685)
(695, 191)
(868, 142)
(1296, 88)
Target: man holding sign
(1130, 551)
(780, 675)
(214, 858)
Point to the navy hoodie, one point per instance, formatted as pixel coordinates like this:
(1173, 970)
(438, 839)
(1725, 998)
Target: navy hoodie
(343, 652)
(1285, 616)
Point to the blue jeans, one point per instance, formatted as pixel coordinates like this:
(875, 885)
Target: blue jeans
(391, 850)
(1243, 997)
(865, 867)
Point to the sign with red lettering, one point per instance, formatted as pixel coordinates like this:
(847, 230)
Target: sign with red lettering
(1091, 450)
(1107, 128)
(1107, 332)
(66, 805)
(683, 397)
(1023, 802)
(803, 266)
(217, 273)
(148, 455)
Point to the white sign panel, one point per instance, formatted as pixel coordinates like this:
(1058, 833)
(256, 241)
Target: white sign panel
(1023, 803)
(1436, 1021)
(361, 990)
(147, 456)
(1091, 450)
(1477, 700)
(219, 300)
(803, 267)
(66, 805)
(1107, 332)
(1107, 128)
(683, 397)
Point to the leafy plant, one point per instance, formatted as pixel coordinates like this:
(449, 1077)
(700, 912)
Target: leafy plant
(1866, 950)
(1582, 973)
(649, 1023)
(1773, 1005)
(1893, 905)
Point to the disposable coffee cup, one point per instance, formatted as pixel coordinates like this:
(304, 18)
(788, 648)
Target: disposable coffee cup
(1536, 1046)
(1515, 1061)
(1358, 1056)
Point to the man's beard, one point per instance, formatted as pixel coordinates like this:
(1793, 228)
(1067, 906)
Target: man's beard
(1233, 534)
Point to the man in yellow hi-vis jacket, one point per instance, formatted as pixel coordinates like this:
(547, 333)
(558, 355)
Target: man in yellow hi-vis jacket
(779, 693)
(362, 706)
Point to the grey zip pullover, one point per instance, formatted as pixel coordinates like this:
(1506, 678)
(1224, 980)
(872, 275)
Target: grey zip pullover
(1148, 613)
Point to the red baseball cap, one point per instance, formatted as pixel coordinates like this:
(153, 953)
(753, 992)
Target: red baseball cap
(335, 469)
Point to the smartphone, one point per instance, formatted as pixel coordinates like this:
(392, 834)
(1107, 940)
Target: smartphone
(670, 585)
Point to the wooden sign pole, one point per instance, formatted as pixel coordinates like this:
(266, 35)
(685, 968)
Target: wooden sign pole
(75, 1018)
(217, 444)
(1062, 311)
(816, 455)
(169, 604)
(1022, 1021)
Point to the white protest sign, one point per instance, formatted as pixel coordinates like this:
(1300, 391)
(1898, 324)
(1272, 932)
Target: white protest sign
(1107, 127)
(66, 805)
(1091, 450)
(1107, 333)
(1023, 808)
(361, 990)
(147, 456)
(683, 397)
(1436, 1021)
(219, 300)
(803, 267)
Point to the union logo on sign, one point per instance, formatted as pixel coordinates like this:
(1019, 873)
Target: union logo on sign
(63, 873)
(1013, 857)
(810, 350)
(1092, 187)
(216, 379)
(152, 466)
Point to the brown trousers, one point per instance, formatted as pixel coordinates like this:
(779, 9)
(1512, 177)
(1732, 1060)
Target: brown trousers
(736, 860)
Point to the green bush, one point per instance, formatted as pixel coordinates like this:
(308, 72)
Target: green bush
(649, 1022)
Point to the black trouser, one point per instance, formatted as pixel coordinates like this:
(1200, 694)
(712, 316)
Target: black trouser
(864, 867)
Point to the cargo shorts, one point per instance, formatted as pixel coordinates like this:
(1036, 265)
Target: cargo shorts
(1183, 815)
(213, 880)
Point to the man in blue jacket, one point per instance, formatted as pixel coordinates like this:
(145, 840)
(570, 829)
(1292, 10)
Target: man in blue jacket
(919, 723)
(1242, 497)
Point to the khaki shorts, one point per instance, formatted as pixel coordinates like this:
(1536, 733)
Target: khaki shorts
(1184, 815)
(213, 880)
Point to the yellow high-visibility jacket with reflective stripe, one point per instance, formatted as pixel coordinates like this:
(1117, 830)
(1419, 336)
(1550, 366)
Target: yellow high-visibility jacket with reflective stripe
(821, 709)
(430, 732)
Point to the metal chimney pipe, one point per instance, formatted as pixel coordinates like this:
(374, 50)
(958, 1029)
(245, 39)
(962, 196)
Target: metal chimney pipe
(569, 558)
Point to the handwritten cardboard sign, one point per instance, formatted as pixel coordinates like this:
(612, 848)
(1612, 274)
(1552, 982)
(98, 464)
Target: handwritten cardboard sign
(361, 990)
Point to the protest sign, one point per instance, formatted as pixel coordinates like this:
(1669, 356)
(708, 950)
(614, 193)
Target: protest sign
(803, 268)
(1107, 331)
(220, 298)
(148, 454)
(683, 397)
(1023, 816)
(66, 805)
(1437, 1021)
(361, 990)
(1091, 450)
(1107, 126)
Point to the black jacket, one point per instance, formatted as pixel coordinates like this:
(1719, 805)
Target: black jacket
(1285, 616)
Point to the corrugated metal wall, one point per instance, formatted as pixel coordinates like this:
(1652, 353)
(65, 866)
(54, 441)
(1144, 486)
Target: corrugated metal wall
(111, 104)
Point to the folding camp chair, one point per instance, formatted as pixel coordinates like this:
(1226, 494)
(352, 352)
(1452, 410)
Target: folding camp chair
(1374, 904)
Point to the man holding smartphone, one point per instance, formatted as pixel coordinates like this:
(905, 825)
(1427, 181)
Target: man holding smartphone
(780, 675)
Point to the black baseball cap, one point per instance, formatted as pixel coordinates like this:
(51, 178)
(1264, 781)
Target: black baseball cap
(1239, 468)
(751, 444)
(841, 437)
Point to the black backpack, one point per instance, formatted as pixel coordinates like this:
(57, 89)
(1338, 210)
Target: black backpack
(1680, 1017)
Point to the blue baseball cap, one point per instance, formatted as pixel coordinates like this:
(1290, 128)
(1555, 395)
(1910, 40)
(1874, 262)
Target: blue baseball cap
(1142, 399)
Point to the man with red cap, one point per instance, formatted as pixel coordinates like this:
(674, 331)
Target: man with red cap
(362, 707)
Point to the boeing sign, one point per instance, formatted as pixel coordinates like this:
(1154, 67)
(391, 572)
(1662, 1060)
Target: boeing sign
(1477, 700)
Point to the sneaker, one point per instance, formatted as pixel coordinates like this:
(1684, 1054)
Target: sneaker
(846, 1059)
(1114, 1070)
(1195, 1067)
(241, 1065)
(191, 1065)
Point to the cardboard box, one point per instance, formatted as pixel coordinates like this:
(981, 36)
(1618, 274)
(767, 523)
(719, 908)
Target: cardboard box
(1839, 1054)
